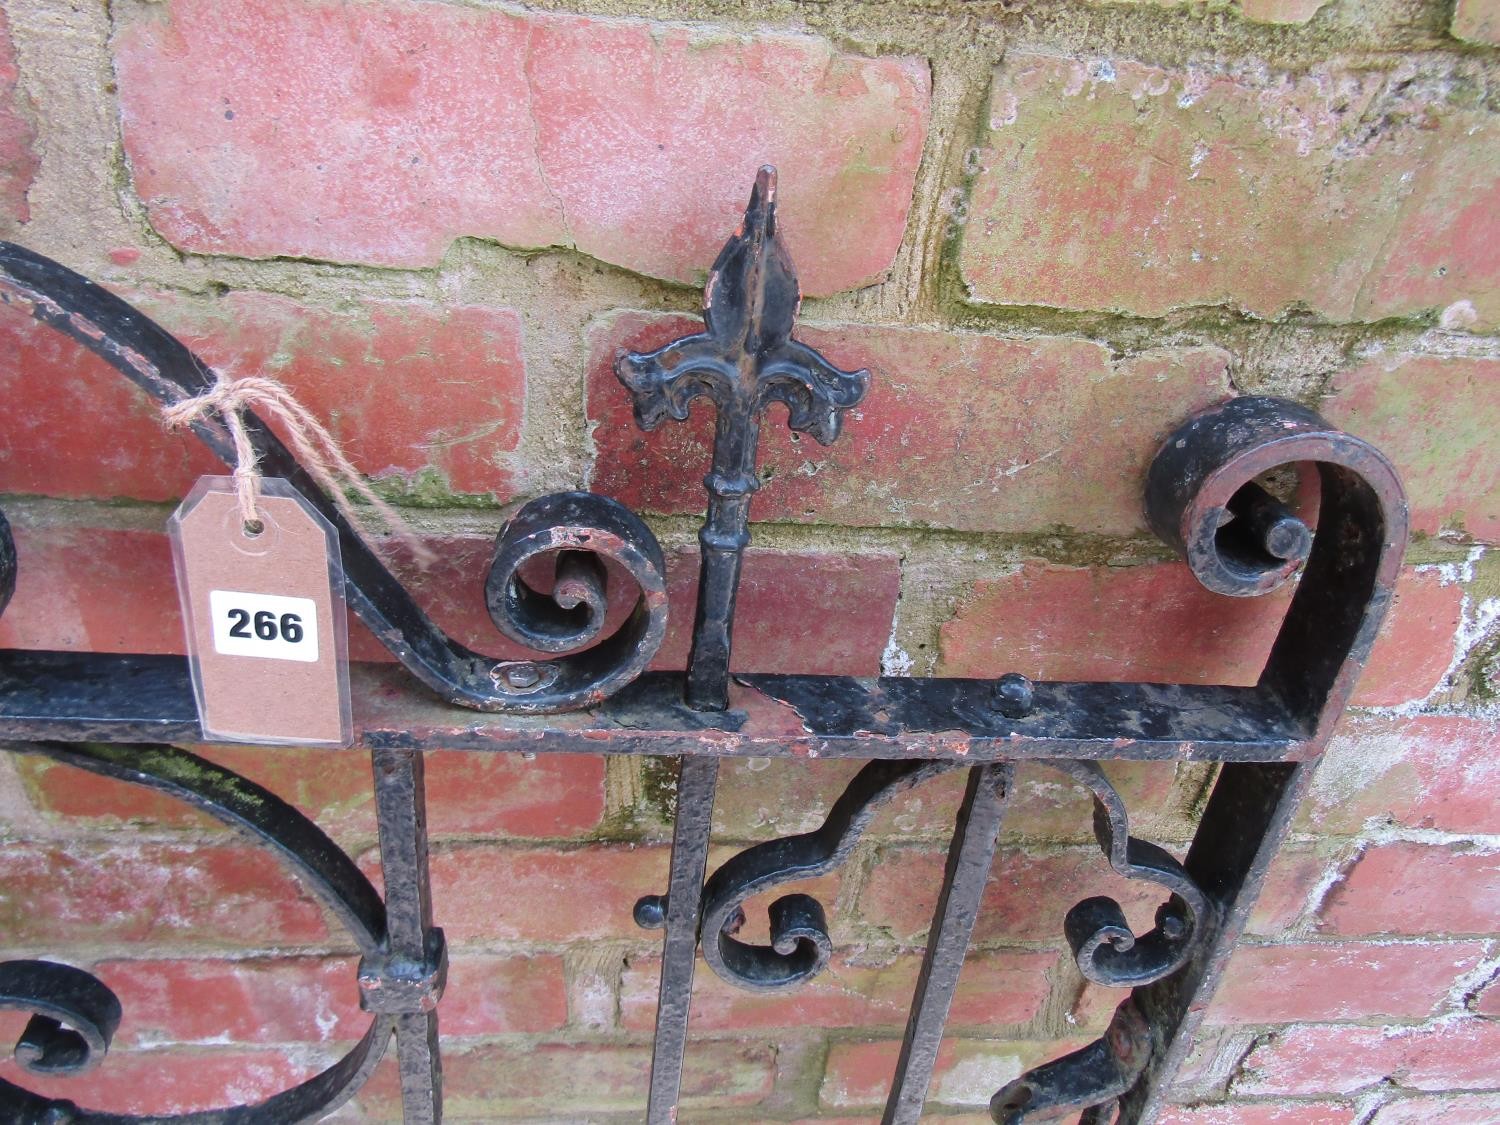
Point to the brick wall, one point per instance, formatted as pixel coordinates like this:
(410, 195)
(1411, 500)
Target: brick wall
(1051, 228)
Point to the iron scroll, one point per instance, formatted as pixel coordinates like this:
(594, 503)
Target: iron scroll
(588, 690)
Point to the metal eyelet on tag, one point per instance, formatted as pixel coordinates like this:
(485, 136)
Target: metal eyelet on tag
(263, 607)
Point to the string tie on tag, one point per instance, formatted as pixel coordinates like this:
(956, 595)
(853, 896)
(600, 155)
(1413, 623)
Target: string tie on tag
(317, 451)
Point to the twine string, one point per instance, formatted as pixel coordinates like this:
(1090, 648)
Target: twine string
(317, 451)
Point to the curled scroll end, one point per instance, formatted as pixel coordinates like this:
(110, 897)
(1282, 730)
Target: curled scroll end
(577, 532)
(1203, 499)
(7, 563)
(1108, 952)
(800, 946)
(1091, 1079)
(816, 393)
(74, 1016)
(663, 383)
(799, 926)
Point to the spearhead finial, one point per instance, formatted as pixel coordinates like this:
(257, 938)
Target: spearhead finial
(747, 358)
(744, 361)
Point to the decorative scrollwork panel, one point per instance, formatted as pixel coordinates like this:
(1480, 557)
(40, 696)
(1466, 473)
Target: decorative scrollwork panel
(75, 1014)
(1207, 495)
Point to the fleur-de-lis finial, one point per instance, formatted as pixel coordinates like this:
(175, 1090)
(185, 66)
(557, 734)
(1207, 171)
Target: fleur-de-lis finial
(745, 360)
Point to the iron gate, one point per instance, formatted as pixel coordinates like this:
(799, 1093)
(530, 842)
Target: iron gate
(119, 715)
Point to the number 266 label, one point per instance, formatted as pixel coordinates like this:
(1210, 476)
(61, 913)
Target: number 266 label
(265, 625)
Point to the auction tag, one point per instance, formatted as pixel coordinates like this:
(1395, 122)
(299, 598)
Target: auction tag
(264, 610)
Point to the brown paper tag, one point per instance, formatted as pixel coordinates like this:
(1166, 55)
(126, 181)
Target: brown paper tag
(264, 613)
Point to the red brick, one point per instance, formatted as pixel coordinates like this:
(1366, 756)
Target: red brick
(487, 893)
(315, 1000)
(1153, 622)
(1455, 1109)
(1339, 981)
(500, 1081)
(843, 606)
(1478, 21)
(1415, 646)
(93, 589)
(468, 795)
(1487, 1001)
(1435, 418)
(1154, 189)
(330, 786)
(1026, 897)
(1295, 874)
(409, 388)
(152, 1083)
(1443, 255)
(1417, 889)
(1261, 1113)
(286, 1000)
(1448, 1055)
(1429, 771)
(153, 893)
(846, 131)
(1156, 623)
(503, 994)
(968, 1071)
(381, 132)
(995, 988)
(551, 795)
(18, 160)
(82, 428)
(507, 795)
(980, 433)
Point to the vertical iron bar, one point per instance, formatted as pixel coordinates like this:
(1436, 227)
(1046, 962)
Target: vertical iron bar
(1247, 817)
(744, 360)
(722, 541)
(964, 878)
(421, 1064)
(401, 812)
(697, 775)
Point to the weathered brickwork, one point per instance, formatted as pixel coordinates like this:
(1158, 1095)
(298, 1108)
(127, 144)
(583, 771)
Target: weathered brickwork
(378, 133)
(1051, 231)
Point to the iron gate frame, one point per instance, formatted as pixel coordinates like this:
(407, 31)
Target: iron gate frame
(118, 716)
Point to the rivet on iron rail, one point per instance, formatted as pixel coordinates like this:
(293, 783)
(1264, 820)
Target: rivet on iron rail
(1014, 697)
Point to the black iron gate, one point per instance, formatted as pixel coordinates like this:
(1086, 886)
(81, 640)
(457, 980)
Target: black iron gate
(117, 715)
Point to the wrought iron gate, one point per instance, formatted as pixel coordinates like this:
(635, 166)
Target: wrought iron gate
(118, 715)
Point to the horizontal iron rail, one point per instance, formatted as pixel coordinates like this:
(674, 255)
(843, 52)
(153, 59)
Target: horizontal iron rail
(142, 698)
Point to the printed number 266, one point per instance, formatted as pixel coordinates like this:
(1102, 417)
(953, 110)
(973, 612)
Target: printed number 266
(268, 627)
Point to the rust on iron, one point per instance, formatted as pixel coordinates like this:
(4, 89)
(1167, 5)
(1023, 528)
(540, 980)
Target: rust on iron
(587, 690)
